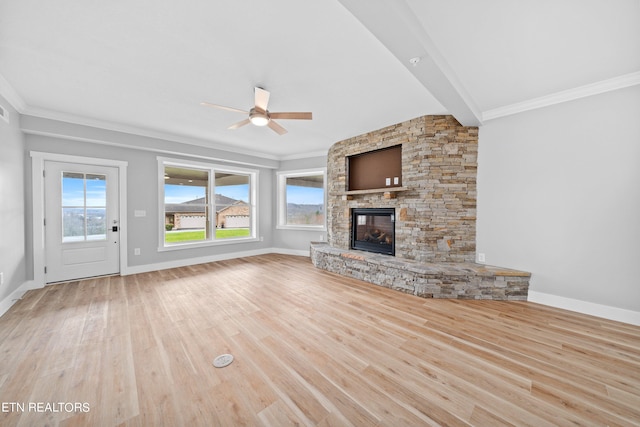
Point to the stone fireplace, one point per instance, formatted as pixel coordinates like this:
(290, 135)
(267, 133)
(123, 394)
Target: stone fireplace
(429, 196)
(436, 205)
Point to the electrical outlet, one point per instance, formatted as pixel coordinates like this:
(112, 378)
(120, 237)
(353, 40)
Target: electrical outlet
(396, 180)
(1, 278)
(387, 181)
(481, 257)
(136, 251)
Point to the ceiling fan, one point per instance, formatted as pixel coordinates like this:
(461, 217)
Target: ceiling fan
(260, 116)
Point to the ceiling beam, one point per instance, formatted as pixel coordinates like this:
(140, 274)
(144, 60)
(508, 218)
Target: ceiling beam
(394, 23)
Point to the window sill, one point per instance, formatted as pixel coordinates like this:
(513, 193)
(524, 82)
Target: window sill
(208, 243)
(302, 227)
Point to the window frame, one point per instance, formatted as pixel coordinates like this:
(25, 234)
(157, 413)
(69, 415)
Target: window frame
(212, 169)
(281, 198)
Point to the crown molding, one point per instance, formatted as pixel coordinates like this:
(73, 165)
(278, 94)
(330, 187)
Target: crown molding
(591, 89)
(133, 130)
(305, 155)
(9, 93)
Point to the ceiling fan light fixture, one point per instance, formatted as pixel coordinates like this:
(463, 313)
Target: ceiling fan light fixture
(259, 118)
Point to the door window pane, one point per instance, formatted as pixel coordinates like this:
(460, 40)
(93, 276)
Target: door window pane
(96, 223)
(96, 190)
(84, 207)
(72, 224)
(72, 189)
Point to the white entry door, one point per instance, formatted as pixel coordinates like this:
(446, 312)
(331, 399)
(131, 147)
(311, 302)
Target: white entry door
(82, 227)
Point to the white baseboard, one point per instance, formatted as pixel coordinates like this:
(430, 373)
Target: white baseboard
(294, 252)
(585, 307)
(202, 260)
(14, 296)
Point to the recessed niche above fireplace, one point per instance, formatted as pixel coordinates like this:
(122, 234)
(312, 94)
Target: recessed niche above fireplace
(373, 230)
(375, 169)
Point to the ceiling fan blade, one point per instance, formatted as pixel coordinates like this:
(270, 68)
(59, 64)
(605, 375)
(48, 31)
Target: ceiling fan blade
(291, 116)
(276, 128)
(262, 98)
(239, 124)
(208, 104)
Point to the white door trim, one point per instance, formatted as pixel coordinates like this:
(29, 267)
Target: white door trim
(37, 185)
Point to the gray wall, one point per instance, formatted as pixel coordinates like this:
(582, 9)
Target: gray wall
(142, 183)
(12, 206)
(559, 196)
(297, 240)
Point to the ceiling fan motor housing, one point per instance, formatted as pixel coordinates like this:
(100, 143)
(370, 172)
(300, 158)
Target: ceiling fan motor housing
(259, 117)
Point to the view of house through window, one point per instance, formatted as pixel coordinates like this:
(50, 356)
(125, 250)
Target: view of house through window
(232, 205)
(205, 204)
(185, 204)
(302, 199)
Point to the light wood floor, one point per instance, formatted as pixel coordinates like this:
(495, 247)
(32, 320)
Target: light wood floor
(311, 348)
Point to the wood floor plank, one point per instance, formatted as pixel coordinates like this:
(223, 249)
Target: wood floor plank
(311, 348)
(278, 414)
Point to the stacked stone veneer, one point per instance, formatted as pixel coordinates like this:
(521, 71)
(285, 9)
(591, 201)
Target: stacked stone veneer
(436, 215)
(456, 280)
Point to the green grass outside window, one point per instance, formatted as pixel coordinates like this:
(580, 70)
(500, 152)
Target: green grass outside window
(197, 235)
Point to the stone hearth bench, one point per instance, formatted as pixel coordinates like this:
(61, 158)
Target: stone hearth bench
(424, 279)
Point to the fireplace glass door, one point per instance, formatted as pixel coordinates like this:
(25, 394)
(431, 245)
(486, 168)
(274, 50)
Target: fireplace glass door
(373, 230)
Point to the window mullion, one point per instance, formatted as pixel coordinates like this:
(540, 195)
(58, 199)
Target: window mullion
(211, 204)
(84, 191)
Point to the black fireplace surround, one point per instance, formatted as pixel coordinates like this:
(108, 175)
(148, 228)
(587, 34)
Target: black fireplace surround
(373, 230)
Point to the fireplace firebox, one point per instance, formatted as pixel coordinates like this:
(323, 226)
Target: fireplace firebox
(373, 230)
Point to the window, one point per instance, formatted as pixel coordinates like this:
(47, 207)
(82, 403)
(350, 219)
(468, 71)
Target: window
(301, 199)
(205, 204)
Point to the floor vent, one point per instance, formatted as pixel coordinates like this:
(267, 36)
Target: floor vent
(4, 114)
(223, 360)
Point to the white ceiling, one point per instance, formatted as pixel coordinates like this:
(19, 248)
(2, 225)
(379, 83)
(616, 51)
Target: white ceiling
(144, 66)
